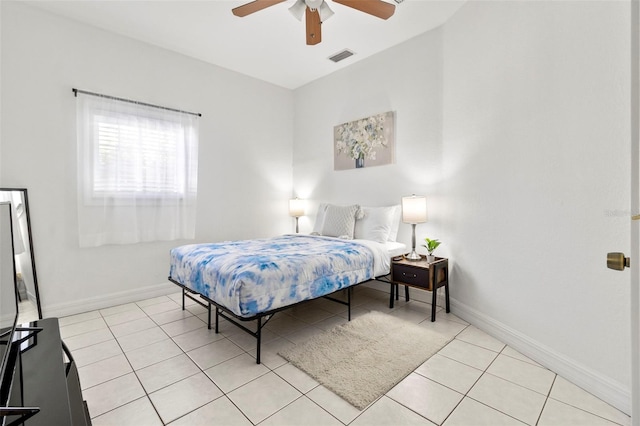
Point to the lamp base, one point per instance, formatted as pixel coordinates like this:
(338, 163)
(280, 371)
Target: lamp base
(413, 256)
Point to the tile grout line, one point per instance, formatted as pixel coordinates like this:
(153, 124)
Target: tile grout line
(555, 377)
(441, 384)
(244, 351)
(273, 370)
(466, 394)
(201, 370)
(471, 387)
(585, 411)
(146, 394)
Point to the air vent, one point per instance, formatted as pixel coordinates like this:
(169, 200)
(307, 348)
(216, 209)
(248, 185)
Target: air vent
(341, 55)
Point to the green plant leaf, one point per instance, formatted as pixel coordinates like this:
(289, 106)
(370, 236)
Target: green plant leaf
(431, 244)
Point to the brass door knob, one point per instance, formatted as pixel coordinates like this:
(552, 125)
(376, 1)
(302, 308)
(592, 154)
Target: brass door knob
(617, 261)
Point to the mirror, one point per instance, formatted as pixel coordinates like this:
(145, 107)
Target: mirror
(8, 299)
(29, 308)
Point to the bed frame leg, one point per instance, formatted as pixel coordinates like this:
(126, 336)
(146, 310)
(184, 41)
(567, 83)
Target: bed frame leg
(217, 320)
(209, 316)
(259, 337)
(349, 290)
(183, 291)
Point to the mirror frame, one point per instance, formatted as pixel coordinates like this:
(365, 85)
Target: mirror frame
(33, 259)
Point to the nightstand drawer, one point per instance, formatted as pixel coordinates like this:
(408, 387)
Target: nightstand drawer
(403, 274)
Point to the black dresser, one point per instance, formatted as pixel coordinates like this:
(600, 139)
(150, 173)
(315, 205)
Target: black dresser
(46, 379)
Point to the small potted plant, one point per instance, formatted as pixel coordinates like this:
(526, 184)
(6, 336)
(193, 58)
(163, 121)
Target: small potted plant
(431, 246)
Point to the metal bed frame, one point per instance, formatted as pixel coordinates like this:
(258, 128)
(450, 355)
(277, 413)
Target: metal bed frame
(262, 318)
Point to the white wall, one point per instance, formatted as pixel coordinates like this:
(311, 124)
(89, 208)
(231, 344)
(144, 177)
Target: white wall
(513, 119)
(634, 293)
(244, 165)
(1, 97)
(407, 80)
(536, 181)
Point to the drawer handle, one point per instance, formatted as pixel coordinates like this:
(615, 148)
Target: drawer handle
(404, 274)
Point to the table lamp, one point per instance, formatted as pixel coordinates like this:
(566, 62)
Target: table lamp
(296, 209)
(414, 211)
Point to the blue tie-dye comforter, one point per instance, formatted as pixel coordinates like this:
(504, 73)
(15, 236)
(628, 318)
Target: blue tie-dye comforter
(255, 276)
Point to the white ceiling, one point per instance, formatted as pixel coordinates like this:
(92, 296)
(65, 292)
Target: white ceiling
(269, 44)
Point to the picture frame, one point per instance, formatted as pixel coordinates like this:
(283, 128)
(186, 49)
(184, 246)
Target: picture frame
(366, 142)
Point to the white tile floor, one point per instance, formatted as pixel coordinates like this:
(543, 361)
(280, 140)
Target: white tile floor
(150, 363)
(27, 311)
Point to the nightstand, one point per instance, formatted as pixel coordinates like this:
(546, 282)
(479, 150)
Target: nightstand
(423, 275)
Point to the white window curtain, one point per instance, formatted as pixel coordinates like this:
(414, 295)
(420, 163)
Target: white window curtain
(137, 172)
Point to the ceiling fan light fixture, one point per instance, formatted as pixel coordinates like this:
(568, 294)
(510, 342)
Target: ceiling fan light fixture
(318, 11)
(314, 4)
(325, 12)
(298, 8)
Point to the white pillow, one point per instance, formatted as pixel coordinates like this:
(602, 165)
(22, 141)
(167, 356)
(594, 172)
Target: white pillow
(317, 227)
(376, 224)
(339, 221)
(395, 222)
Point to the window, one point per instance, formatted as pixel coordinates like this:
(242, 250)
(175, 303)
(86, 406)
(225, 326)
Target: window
(137, 172)
(138, 156)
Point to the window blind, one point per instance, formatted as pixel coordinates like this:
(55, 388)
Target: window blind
(137, 171)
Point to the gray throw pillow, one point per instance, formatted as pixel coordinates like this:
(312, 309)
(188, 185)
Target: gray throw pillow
(339, 221)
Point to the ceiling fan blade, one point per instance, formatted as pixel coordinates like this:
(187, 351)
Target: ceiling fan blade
(314, 33)
(254, 6)
(378, 8)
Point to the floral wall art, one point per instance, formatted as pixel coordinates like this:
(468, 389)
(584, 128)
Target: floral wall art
(365, 142)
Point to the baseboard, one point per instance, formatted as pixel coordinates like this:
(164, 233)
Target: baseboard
(610, 391)
(100, 302)
(593, 382)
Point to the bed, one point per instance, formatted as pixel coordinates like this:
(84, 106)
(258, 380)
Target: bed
(251, 280)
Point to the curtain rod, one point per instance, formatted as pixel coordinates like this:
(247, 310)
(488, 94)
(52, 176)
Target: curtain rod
(76, 91)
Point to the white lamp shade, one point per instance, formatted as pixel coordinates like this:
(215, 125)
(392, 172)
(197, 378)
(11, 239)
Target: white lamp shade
(414, 209)
(298, 8)
(314, 4)
(296, 207)
(325, 12)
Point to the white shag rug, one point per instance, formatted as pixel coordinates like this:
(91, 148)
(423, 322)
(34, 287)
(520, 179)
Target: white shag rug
(364, 358)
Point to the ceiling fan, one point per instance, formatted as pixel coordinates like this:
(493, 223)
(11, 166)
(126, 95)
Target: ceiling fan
(318, 11)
